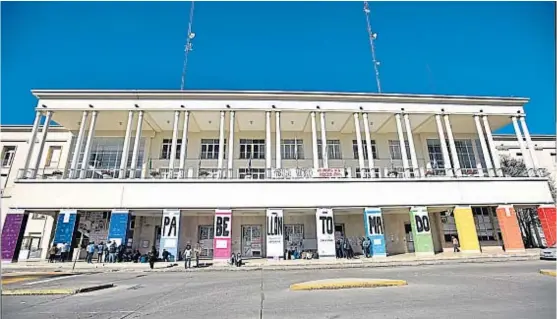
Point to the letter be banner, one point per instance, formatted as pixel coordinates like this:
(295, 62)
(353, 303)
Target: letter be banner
(170, 232)
(222, 241)
(325, 232)
(375, 231)
(275, 233)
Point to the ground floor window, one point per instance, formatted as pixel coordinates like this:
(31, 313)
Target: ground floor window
(449, 226)
(293, 236)
(205, 237)
(32, 243)
(252, 240)
(487, 227)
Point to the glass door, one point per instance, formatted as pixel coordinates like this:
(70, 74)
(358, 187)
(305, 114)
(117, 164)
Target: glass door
(251, 241)
(206, 234)
(409, 238)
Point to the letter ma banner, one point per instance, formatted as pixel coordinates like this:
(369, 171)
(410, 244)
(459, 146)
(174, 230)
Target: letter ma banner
(373, 222)
(222, 242)
(275, 231)
(170, 232)
(325, 233)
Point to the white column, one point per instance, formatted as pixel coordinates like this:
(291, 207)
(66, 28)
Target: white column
(174, 144)
(278, 155)
(31, 142)
(413, 156)
(221, 143)
(268, 144)
(184, 144)
(135, 152)
(42, 142)
(526, 158)
(456, 163)
(491, 143)
(231, 145)
(529, 143)
(402, 144)
(485, 151)
(369, 148)
(314, 141)
(361, 161)
(126, 149)
(87, 151)
(324, 141)
(443, 143)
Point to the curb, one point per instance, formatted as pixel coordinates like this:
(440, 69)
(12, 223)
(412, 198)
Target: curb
(47, 292)
(546, 272)
(347, 284)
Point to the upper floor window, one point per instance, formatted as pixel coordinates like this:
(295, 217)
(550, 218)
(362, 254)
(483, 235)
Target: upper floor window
(252, 149)
(364, 145)
(210, 148)
(465, 153)
(166, 149)
(53, 156)
(394, 149)
(292, 149)
(251, 173)
(334, 152)
(8, 154)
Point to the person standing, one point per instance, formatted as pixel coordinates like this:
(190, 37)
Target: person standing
(456, 245)
(90, 252)
(197, 254)
(152, 257)
(63, 252)
(100, 252)
(187, 256)
(52, 254)
(112, 253)
(365, 246)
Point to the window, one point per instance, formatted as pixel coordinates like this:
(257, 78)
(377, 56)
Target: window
(435, 154)
(518, 154)
(394, 149)
(253, 173)
(481, 153)
(8, 154)
(292, 149)
(334, 151)
(208, 173)
(31, 242)
(364, 145)
(167, 148)
(293, 235)
(252, 149)
(449, 226)
(465, 153)
(53, 156)
(486, 226)
(38, 216)
(210, 148)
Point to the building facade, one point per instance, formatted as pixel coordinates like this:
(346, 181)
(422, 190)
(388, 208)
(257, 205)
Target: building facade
(250, 172)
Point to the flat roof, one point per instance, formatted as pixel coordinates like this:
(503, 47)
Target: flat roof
(277, 95)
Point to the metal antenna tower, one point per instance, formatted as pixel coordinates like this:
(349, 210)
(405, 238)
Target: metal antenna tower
(372, 38)
(189, 46)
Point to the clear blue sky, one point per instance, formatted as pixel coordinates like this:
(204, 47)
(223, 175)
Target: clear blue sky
(472, 48)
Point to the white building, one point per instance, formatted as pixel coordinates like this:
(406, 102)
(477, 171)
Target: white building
(252, 179)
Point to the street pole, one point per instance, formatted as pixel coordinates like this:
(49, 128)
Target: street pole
(78, 249)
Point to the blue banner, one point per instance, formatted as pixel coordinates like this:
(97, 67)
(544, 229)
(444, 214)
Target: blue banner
(373, 221)
(65, 227)
(118, 227)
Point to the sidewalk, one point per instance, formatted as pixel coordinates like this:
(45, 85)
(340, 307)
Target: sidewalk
(257, 264)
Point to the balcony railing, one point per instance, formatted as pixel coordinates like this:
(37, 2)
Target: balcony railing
(301, 173)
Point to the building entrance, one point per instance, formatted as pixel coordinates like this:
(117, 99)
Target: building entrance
(251, 241)
(409, 238)
(205, 237)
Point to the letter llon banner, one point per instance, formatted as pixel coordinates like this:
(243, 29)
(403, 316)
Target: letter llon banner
(170, 232)
(222, 242)
(325, 233)
(275, 231)
(373, 221)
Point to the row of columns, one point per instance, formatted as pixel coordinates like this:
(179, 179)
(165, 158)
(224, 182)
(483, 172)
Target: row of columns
(402, 119)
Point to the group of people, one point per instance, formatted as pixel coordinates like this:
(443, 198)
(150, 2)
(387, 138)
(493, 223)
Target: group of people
(62, 251)
(343, 248)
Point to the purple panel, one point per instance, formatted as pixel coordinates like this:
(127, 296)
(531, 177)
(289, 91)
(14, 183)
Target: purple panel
(10, 235)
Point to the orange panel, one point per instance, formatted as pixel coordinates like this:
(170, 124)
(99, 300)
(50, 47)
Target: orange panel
(547, 219)
(510, 230)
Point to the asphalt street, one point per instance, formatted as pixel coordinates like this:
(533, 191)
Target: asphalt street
(496, 290)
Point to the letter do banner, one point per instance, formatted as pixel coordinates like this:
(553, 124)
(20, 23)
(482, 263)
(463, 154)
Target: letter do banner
(325, 232)
(222, 241)
(421, 219)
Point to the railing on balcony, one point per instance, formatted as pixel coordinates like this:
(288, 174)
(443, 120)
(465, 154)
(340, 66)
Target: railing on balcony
(300, 173)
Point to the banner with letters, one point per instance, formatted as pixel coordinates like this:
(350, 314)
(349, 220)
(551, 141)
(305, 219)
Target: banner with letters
(12, 234)
(275, 233)
(65, 227)
(421, 230)
(373, 223)
(118, 226)
(325, 233)
(170, 232)
(222, 242)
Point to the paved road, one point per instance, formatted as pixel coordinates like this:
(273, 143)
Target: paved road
(498, 290)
